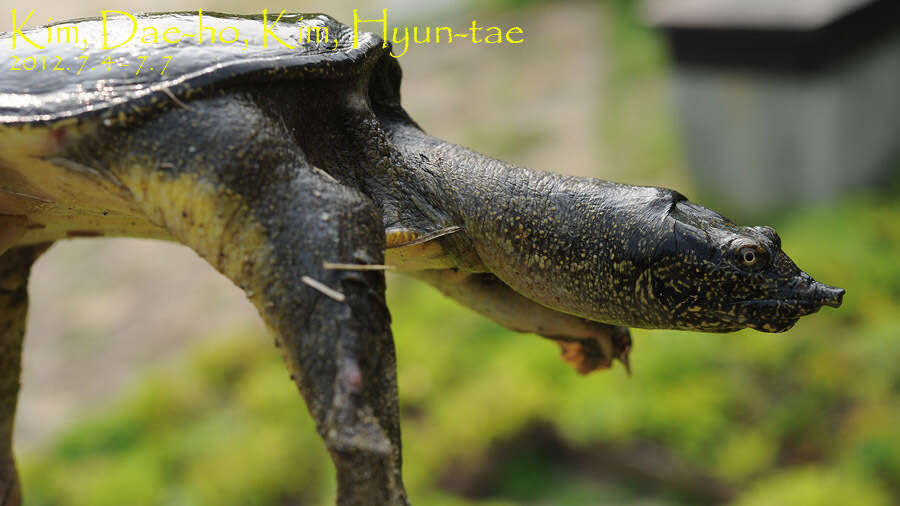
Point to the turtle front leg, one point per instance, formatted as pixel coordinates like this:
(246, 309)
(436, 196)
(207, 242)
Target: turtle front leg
(270, 229)
(587, 345)
(15, 266)
(333, 326)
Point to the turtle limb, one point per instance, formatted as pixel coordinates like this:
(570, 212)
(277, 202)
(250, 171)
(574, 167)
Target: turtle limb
(15, 266)
(12, 228)
(587, 345)
(271, 234)
(332, 326)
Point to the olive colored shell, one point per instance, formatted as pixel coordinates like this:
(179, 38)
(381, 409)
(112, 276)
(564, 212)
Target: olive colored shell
(108, 84)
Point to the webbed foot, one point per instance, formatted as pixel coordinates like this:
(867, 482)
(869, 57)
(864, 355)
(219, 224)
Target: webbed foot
(598, 351)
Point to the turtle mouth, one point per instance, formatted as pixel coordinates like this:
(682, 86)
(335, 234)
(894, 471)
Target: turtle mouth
(773, 325)
(766, 315)
(776, 309)
(779, 315)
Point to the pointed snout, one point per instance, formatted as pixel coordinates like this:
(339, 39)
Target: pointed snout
(827, 295)
(811, 291)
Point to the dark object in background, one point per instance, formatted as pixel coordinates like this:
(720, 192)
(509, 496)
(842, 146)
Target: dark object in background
(785, 102)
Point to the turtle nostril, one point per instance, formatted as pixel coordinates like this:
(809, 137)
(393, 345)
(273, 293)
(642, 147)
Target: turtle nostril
(829, 295)
(839, 297)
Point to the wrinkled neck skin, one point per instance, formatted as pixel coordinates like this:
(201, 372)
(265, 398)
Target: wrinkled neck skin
(627, 255)
(573, 244)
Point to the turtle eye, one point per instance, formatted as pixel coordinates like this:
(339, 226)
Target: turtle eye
(750, 257)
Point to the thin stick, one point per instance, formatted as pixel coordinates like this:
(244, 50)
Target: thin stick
(330, 292)
(357, 267)
(428, 237)
(172, 96)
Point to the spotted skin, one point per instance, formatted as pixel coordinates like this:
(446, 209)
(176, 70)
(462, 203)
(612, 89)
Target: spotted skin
(272, 165)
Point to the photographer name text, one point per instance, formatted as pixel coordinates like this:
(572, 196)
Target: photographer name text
(401, 37)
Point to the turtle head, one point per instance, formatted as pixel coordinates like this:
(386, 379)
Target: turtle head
(712, 275)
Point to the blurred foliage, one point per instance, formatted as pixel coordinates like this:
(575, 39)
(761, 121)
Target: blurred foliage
(636, 135)
(630, 131)
(805, 418)
(802, 418)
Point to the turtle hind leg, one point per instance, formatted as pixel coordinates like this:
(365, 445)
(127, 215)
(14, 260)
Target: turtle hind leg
(15, 266)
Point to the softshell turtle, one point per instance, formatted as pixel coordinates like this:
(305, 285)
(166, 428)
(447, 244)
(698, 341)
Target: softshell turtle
(297, 174)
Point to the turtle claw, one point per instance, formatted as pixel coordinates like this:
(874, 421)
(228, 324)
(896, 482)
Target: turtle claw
(622, 347)
(626, 363)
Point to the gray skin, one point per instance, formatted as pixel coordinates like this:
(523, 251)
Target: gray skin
(275, 165)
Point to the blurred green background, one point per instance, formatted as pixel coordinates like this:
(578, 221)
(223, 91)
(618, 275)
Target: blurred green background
(808, 417)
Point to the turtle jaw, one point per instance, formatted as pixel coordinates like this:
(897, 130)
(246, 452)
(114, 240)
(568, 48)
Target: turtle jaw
(803, 297)
(774, 326)
(763, 315)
